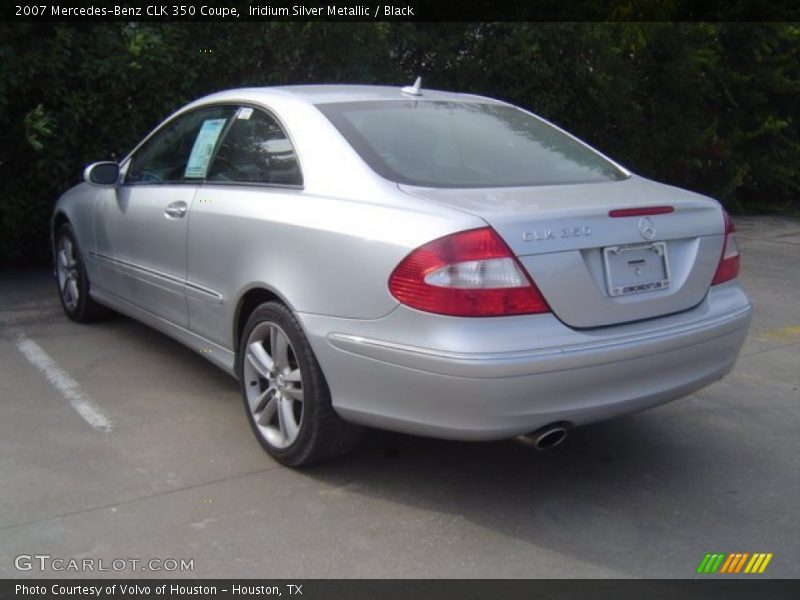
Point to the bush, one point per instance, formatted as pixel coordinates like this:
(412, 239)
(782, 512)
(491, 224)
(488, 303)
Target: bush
(706, 106)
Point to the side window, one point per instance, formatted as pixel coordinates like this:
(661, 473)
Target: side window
(182, 149)
(256, 150)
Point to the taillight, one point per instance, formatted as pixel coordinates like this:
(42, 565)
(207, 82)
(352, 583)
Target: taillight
(466, 274)
(729, 261)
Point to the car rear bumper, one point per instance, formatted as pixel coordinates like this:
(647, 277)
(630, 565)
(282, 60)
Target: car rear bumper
(482, 379)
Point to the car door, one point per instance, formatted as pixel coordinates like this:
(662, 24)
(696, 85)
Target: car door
(252, 182)
(141, 232)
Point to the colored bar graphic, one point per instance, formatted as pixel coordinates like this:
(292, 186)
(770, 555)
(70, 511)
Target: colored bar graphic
(741, 561)
(717, 563)
(701, 567)
(758, 562)
(727, 564)
(710, 563)
(734, 562)
(765, 563)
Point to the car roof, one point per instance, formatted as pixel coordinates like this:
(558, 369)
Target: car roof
(326, 94)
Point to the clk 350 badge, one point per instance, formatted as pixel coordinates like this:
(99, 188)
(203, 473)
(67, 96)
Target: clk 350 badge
(551, 234)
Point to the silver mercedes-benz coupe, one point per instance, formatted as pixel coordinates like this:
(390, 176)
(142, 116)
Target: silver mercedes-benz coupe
(427, 262)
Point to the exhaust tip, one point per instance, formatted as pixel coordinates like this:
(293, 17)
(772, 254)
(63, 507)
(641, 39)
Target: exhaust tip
(550, 438)
(546, 437)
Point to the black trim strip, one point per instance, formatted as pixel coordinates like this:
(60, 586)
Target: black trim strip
(194, 287)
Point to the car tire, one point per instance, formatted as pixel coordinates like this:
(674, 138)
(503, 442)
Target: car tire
(286, 397)
(72, 280)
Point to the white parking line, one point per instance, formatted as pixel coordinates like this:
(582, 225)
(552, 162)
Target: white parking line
(65, 384)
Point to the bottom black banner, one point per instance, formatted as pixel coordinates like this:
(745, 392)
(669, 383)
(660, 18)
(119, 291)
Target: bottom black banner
(395, 589)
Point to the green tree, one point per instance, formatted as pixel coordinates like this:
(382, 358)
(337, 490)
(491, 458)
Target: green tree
(708, 106)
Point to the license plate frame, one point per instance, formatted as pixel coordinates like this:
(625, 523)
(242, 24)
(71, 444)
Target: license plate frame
(636, 268)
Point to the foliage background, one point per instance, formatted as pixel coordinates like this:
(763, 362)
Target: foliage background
(708, 106)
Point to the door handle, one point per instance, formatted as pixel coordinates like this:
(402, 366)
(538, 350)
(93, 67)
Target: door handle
(176, 210)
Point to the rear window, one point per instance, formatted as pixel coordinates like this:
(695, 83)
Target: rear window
(464, 144)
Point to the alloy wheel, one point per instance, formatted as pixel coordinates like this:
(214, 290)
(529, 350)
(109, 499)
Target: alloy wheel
(273, 385)
(68, 273)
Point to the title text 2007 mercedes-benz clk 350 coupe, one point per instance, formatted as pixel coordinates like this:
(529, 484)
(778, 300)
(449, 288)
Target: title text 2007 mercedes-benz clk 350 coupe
(434, 263)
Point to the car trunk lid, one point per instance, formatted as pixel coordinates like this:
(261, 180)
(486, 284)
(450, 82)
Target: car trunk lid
(595, 269)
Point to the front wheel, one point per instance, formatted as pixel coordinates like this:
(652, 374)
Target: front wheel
(286, 397)
(73, 283)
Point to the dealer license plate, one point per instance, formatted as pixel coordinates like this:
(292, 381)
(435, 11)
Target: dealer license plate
(636, 268)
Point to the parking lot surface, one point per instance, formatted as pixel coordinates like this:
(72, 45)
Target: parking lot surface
(118, 443)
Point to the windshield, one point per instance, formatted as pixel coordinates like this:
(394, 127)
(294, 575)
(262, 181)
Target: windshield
(464, 144)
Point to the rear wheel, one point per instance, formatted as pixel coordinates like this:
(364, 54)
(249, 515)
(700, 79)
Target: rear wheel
(73, 283)
(285, 394)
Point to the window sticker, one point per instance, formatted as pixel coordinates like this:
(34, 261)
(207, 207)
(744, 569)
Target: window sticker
(244, 113)
(203, 147)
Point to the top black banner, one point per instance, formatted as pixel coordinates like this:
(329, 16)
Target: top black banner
(411, 10)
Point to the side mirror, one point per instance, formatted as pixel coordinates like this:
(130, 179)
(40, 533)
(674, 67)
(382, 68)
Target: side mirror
(104, 173)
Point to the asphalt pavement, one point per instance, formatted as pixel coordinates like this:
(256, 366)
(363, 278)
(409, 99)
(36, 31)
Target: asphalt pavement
(117, 443)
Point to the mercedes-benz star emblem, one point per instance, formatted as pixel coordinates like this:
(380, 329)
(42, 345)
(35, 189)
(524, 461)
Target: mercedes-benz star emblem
(646, 228)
